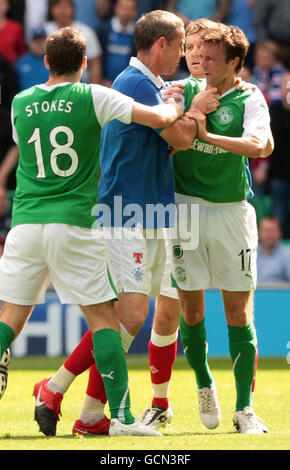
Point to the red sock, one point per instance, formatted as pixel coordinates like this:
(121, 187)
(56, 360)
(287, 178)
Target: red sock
(96, 388)
(82, 356)
(161, 361)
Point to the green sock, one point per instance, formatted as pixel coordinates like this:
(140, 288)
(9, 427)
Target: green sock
(6, 337)
(194, 343)
(111, 362)
(242, 343)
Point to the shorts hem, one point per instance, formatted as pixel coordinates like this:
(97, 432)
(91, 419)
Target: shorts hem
(235, 289)
(90, 302)
(133, 291)
(166, 294)
(22, 302)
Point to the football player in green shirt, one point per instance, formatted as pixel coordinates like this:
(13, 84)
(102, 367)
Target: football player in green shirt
(214, 174)
(57, 127)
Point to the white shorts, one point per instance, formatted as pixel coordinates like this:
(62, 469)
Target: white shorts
(73, 259)
(166, 284)
(227, 248)
(137, 262)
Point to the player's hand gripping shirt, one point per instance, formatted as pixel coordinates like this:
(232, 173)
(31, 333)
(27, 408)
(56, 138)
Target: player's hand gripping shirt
(58, 132)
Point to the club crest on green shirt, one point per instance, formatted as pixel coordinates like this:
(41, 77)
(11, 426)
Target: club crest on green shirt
(224, 115)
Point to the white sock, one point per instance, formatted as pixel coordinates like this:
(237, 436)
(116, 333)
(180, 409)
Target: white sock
(92, 410)
(162, 390)
(126, 337)
(60, 382)
(162, 341)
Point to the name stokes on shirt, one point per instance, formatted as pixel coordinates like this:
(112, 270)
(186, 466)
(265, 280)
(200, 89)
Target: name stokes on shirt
(46, 106)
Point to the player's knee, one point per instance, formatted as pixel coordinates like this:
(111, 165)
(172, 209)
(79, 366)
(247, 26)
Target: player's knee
(137, 319)
(193, 317)
(239, 317)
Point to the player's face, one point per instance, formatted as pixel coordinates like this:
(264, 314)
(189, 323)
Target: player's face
(173, 52)
(192, 55)
(213, 61)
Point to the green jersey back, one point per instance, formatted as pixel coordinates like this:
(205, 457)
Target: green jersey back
(58, 132)
(208, 171)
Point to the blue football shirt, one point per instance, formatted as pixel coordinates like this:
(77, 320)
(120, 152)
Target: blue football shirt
(136, 173)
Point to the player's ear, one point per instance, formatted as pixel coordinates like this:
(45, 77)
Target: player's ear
(162, 42)
(46, 63)
(84, 63)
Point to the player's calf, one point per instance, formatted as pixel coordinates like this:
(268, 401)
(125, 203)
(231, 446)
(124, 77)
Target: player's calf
(4, 363)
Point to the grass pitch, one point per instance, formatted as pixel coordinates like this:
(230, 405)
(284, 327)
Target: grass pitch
(18, 430)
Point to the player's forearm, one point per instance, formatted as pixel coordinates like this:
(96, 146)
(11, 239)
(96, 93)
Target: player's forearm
(245, 146)
(181, 134)
(158, 117)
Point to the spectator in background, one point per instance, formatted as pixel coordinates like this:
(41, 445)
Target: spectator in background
(268, 71)
(279, 169)
(9, 88)
(118, 41)
(62, 12)
(273, 259)
(272, 20)
(5, 217)
(144, 6)
(86, 12)
(241, 14)
(30, 67)
(36, 14)
(17, 10)
(188, 10)
(12, 44)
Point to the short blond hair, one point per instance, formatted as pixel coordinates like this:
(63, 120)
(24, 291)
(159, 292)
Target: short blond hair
(201, 24)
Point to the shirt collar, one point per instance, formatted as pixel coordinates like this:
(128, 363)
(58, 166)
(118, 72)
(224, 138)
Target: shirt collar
(158, 82)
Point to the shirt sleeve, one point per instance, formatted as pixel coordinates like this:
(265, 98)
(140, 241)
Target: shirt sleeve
(110, 104)
(257, 118)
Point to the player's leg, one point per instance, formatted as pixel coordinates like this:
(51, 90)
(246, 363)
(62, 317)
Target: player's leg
(162, 350)
(243, 351)
(194, 342)
(191, 275)
(92, 420)
(23, 282)
(12, 320)
(85, 252)
(233, 254)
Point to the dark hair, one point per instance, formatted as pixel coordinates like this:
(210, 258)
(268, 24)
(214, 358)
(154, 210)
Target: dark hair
(154, 25)
(66, 49)
(233, 40)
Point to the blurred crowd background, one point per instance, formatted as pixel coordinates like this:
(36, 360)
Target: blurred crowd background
(108, 26)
